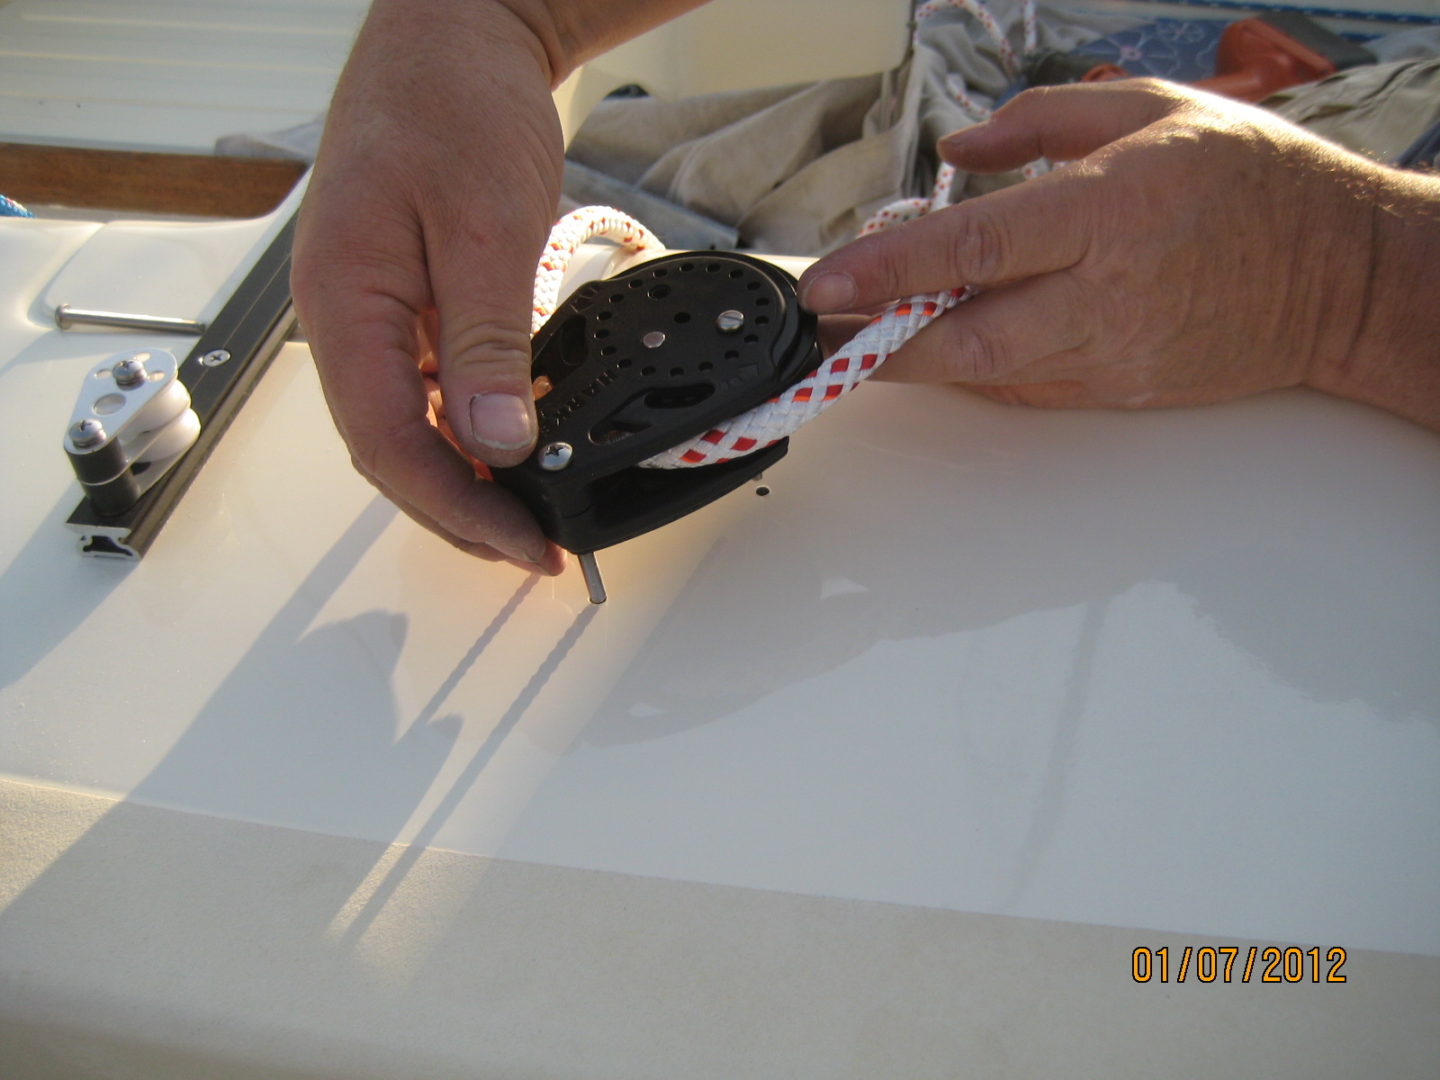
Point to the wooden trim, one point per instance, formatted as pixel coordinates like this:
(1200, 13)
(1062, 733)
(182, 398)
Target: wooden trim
(144, 181)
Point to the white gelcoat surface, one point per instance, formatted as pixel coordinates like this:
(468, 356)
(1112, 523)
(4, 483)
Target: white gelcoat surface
(169, 75)
(176, 75)
(183, 270)
(1167, 670)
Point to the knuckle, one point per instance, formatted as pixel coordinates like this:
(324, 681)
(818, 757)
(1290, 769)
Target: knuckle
(1031, 100)
(1150, 86)
(474, 344)
(333, 256)
(358, 463)
(880, 266)
(1081, 313)
(1166, 96)
(381, 452)
(979, 247)
(367, 451)
(978, 356)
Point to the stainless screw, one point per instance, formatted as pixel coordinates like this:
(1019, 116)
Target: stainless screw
(654, 339)
(216, 357)
(728, 322)
(130, 372)
(86, 433)
(555, 456)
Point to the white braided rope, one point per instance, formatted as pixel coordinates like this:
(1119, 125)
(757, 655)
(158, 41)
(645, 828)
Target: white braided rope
(1009, 61)
(567, 235)
(942, 193)
(894, 213)
(956, 85)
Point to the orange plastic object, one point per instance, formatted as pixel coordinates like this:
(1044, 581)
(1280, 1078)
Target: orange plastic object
(1104, 73)
(1255, 60)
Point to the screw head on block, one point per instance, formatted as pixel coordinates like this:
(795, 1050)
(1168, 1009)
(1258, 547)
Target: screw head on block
(130, 372)
(555, 456)
(215, 357)
(729, 321)
(86, 433)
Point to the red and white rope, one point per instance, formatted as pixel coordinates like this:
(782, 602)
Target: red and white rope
(845, 369)
(982, 14)
(1009, 60)
(782, 415)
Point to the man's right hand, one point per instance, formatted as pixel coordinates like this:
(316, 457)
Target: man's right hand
(435, 186)
(432, 196)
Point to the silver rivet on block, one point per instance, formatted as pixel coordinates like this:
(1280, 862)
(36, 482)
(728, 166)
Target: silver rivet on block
(654, 339)
(555, 456)
(729, 321)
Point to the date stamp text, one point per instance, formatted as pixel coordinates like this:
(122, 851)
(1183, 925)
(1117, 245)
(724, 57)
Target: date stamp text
(1238, 964)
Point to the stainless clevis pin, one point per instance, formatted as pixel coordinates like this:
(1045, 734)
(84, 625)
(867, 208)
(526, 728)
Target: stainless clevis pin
(593, 581)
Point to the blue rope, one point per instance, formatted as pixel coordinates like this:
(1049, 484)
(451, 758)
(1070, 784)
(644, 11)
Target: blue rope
(11, 208)
(1424, 152)
(1250, 7)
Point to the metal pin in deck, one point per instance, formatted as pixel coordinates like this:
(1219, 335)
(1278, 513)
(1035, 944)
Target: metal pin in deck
(593, 581)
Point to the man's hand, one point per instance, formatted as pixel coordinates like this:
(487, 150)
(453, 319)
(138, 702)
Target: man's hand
(435, 187)
(1193, 250)
(435, 183)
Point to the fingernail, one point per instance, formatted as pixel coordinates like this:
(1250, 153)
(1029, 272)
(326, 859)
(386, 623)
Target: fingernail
(829, 292)
(500, 421)
(518, 556)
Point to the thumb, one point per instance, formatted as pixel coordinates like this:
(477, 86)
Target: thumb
(482, 281)
(1061, 123)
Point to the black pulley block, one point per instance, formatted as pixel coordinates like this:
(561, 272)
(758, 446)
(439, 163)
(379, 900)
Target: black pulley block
(631, 366)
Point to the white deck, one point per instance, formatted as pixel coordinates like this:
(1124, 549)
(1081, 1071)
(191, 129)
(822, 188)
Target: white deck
(1167, 673)
(886, 774)
(169, 75)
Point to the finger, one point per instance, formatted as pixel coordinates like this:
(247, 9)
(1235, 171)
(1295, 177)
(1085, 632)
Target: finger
(1061, 123)
(429, 342)
(837, 330)
(551, 560)
(482, 270)
(378, 400)
(1039, 227)
(1035, 228)
(359, 294)
(442, 485)
(997, 336)
(1067, 394)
